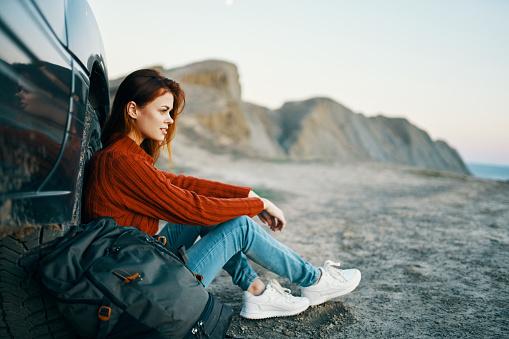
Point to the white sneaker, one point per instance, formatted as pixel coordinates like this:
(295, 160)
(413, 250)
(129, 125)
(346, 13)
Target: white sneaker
(275, 301)
(333, 283)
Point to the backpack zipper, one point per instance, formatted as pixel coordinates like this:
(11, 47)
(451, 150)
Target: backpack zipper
(105, 290)
(155, 243)
(199, 328)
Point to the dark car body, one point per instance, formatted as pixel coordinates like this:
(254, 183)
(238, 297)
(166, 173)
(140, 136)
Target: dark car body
(51, 67)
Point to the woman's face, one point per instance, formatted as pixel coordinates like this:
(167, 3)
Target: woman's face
(42, 104)
(153, 119)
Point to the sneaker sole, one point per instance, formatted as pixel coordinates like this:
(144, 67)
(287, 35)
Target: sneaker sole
(332, 296)
(272, 314)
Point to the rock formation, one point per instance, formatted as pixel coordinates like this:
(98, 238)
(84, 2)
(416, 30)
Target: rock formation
(323, 128)
(318, 128)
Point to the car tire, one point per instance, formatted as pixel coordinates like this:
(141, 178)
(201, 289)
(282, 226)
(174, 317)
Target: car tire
(25, 312)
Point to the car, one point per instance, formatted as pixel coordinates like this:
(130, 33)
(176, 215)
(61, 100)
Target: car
(54, 97)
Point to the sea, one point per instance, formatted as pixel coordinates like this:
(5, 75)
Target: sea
(495, 172)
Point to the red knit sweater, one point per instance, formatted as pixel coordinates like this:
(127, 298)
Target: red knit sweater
(123, 184)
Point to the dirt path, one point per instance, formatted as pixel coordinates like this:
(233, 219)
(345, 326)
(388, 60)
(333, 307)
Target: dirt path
(432, 247)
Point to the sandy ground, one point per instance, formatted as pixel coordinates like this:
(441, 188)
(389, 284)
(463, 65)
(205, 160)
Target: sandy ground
(433, 247)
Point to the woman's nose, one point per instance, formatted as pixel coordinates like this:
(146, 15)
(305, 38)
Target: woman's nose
(169, 120)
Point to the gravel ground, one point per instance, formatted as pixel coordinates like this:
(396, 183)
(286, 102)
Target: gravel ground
(432, 247)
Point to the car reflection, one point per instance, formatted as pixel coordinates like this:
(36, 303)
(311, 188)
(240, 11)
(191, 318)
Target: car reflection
(34, 133)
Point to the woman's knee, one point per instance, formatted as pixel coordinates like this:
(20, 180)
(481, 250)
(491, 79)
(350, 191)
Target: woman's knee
(243, 219)
(247, 222)
(243, 223)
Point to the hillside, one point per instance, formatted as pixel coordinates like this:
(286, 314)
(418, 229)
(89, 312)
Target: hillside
(315, 129)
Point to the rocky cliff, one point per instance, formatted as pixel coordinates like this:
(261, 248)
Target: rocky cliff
(318, 128)
(323, 128)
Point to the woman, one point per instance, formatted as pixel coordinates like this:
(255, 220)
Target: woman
(124, 184)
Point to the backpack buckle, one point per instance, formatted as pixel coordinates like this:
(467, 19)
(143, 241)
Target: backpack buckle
(104, 313)
(162, 239)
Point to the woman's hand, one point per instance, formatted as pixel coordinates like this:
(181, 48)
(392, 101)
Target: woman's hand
(271, 214)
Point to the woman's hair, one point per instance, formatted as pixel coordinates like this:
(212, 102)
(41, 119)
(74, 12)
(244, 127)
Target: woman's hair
(142, 86)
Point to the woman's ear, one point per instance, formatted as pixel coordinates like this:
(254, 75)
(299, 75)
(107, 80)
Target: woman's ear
(131, 109)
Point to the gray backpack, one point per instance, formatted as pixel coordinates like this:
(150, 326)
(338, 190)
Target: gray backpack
(119, 282)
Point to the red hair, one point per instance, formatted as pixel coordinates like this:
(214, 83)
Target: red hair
(142, 86)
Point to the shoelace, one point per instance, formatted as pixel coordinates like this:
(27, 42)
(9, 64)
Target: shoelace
(280, 289)
(329, 267)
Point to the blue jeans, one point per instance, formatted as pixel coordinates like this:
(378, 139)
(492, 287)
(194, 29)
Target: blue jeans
(226, 245)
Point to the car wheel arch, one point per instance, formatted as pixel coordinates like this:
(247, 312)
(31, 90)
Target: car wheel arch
(98, 94)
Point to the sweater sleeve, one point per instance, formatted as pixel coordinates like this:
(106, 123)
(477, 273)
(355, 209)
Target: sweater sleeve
(145, 190)
(207, 188)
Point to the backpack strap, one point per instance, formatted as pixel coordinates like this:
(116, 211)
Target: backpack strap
(183, 255)
(104, 315)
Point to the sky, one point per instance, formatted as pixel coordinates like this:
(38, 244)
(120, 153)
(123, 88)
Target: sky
(442, 64)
